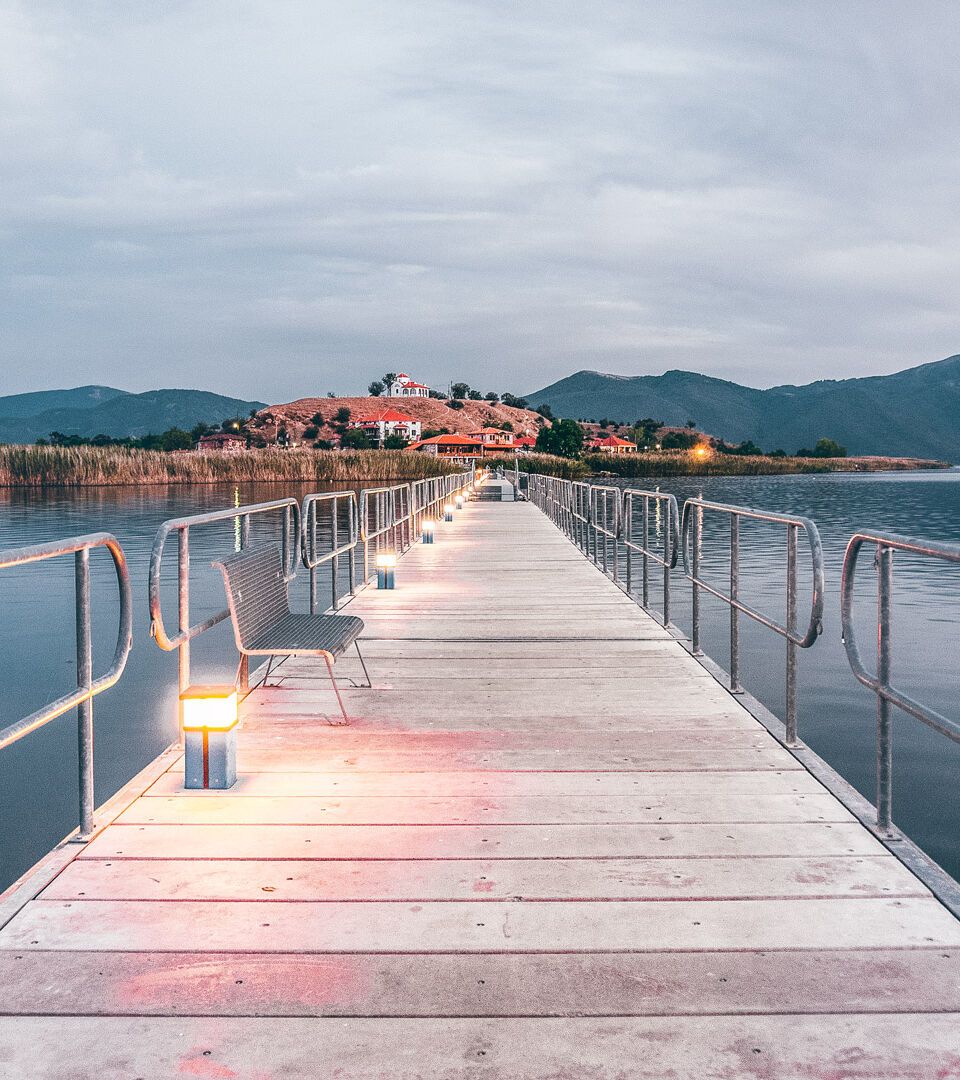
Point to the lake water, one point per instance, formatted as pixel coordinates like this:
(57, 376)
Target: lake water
(137, 719)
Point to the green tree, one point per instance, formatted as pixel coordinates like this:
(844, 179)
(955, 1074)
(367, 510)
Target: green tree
(492, 396)
(691, 424)
(323, 444)
(176, 439)
(828, 448)
(475, 395)
(394, 442)
(354, 439)
(388, 379)
(311, 432)
(459, 390)
(679, 440)
(564, 438)
(376, 388)
(455, 403)
(342, 415)
(545, 410)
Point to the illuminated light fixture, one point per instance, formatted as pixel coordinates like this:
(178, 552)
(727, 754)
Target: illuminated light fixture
(448, 512)
(701, 452)
(386, 569)
(210, 719)
(459, 502)
(429, 527)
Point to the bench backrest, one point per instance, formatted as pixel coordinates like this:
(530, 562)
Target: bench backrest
(256, 591)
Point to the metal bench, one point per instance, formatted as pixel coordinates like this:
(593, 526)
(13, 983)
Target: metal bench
(263, 624)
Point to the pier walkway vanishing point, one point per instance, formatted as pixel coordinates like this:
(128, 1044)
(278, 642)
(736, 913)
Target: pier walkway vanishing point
(550, 844)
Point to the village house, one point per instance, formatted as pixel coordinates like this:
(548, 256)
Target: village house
(404, 386)
(460, 449)
(611, 444)
(381, 425)
(524, 444)
(494, 438)
(222, 442)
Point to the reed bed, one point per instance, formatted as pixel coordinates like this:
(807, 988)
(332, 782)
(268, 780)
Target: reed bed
(545, 464)
(685, 463)
(94, 466)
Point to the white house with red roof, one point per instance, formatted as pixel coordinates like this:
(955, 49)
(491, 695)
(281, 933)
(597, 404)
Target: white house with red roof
(386, 422)
(404, 386)
(611, 444)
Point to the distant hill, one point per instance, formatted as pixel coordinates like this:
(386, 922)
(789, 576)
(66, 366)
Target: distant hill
(17, 406)
(911, 413)
(120, 414)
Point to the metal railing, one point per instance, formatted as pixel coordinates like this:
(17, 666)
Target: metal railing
(666, 525)
(330, 526)
(87, 686)
(692, 533)
(887, 694)
(289, 510)
(605, 527)
(386, 521)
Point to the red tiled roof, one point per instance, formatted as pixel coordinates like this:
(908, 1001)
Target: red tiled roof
(524, 440)
(447, 440)
(389, 416)
(611, 440)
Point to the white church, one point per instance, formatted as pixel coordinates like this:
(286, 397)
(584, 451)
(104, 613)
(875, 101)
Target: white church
(405, 387)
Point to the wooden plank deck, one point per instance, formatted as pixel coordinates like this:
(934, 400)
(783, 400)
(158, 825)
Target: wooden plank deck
(550, 845)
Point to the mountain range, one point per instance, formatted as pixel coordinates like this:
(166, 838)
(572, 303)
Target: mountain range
(104, 410)
(912, 413)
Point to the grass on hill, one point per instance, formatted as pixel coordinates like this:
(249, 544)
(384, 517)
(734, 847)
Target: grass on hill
(89, 466)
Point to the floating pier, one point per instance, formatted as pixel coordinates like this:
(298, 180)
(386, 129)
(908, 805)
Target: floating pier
(549, 845)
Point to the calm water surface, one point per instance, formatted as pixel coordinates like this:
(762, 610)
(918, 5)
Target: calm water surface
(137, 719)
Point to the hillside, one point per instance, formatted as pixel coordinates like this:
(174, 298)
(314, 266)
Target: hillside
(911, 413)
(432, 414)
(17, 406)
(122, 414)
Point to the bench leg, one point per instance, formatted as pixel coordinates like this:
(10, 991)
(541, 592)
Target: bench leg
(366, 674)
(336, 689)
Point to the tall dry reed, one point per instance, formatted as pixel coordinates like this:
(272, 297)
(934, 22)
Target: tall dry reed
(94, 466)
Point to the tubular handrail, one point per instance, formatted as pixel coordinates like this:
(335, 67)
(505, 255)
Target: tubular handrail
(691, 532)
(87, 686)
(180, 641)
(311, 556)
(887, 694)
(605, 522)
(667, 522)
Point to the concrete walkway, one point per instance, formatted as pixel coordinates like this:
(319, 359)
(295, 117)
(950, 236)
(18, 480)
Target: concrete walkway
(550, 845)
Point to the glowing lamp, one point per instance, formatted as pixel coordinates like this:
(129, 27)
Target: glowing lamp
(429, 527)
(386, 569)
(210, 718)
(459, 502)
(448, 512)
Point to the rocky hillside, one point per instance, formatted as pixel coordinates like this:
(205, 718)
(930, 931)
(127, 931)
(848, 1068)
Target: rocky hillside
(432, 414)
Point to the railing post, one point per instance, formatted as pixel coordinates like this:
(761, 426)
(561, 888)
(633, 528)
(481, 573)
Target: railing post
(884, 732)
(183, 618)
(334, 543)
(735, 687)
(84, 681)
(646, 559)
(696, 530)
(352, 554)
(791, 688)
(667, 541)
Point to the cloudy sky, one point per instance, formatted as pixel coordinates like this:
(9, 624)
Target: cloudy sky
(275, 198)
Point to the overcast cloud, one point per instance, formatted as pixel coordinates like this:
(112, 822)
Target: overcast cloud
(275, 198)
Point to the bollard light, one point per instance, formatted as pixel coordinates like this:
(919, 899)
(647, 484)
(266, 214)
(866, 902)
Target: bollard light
(386, 569)
(448, 512)
(210, 718)
(459, 502)
(429, 528)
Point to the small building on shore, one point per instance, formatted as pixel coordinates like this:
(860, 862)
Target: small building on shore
(222, 442)
(611, 444)
(494, 439)
(460, 449)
